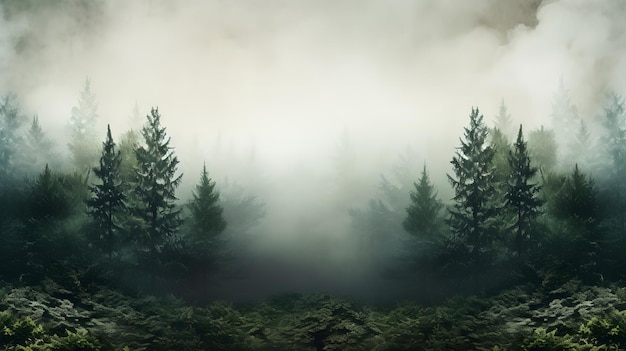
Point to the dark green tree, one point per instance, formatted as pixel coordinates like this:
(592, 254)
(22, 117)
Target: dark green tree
(47, 198)
(207, 219)
(521, 194)
(204, 246)
(472, 216)
(83, 148)
(107, 203)
(423, 218)
(576, 233)
(156, 183)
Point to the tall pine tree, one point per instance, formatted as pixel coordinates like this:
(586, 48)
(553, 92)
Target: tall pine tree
(156, 184)
(472, 216)
(521, 194)
(107, 204)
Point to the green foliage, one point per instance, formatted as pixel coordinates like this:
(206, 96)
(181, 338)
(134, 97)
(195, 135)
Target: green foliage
(543, 340)
(81, 340)
(609, 332)
(16, 332)
(24, 334)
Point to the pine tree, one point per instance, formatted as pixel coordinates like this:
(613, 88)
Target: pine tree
(38, 148)
(108, 205)
(206, 213)
(11, 120)
(615, 146)
(206, 223)
(520, 196)
(424, 213)
(83, 149)
(503, 121)
(156, 184)
(471, 217)
(565, 121)
(501, 146)
(542, 149)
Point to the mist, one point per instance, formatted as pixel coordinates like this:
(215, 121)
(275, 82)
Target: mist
(272, 94)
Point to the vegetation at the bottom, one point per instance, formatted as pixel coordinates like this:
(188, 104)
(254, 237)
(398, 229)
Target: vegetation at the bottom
(578, 317)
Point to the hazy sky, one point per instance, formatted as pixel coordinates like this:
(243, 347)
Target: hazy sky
(283, 80)
(290, 76)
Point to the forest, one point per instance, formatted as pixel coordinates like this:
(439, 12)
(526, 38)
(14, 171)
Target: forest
(312, 175)
(536, 219)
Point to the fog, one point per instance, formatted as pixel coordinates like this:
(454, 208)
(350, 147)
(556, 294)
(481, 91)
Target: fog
(270, 94)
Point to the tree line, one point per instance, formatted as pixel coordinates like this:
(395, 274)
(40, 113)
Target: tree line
(522, 211)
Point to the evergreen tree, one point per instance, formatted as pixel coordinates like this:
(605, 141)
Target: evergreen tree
(614, 140)
(542, 149)
(503, 121)
(575, 244)
(83, 148)
(501, 146)
(565, 121)
(582, 149)
(395, 188)
(107, 205)
(38, 148)
(472, 216)
(424, 213)
(11, 120)
(206, 213)
(520, 197)
(47, 199)
(576, 201)
(156, 184)
(206, 223)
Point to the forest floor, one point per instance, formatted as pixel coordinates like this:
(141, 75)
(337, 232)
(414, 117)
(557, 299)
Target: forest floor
(572, 316)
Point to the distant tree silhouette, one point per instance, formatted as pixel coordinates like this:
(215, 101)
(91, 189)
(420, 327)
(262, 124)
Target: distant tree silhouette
(83, 146)
(38, 148)
(542, 149)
